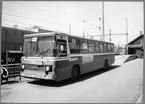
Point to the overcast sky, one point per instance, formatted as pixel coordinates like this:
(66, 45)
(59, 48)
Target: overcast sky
(58, 15)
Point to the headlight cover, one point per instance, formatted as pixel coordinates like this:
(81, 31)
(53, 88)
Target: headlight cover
(47, 68)
(23, 66)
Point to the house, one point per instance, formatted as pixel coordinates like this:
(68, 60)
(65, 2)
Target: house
(136, 46)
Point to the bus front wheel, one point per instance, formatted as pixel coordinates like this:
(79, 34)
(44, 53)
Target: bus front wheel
(75, 73)
(106, 66)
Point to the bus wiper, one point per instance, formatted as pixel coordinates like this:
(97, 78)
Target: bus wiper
(44, 51)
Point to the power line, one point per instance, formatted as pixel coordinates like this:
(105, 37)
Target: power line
(103, 30)
(43, 10)
(28, 27)
(28, 24)
(18, 16)
(90, 24)
(32, 19)
(9, 25)
(17, 22)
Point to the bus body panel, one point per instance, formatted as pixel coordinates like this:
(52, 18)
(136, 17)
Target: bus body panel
(63, 68)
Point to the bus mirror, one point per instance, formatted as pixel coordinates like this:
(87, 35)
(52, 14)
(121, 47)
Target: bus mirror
(34, 39)
(20, 48)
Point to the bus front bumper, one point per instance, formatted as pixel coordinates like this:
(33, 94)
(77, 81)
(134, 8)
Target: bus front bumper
(39, 75)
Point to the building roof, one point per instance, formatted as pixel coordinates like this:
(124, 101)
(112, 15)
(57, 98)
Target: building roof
(136, 46)
(136, 39)
(12, 28)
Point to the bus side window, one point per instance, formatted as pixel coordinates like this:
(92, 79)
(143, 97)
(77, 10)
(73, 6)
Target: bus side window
(62, 48)
(74, 45)
(112, 48)
(101, 47)
(91, 46)
(97, 47)
(84, 46)
(105, 47)
(109, 48)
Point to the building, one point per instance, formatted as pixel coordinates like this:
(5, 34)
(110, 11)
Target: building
(136, 46)
(40, 30)
(12, 38)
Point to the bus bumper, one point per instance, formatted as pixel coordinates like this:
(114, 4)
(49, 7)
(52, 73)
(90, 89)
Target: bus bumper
(39, 75)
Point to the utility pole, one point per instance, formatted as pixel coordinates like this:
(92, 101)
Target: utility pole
(103, 21)
(83, 33)
(126, 35)
(69, 29)
(110, 35)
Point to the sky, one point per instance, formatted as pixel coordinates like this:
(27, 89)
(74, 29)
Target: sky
(64, 16)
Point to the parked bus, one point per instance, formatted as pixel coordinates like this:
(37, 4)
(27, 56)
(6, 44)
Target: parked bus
(58, 56)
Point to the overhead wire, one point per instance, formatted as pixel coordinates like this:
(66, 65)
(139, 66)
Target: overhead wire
(10, 25)
(29, 19)
(28, 25)
(17, 22)
(43, 10)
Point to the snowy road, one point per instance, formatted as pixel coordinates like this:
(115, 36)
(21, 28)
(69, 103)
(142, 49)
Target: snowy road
(117, 85)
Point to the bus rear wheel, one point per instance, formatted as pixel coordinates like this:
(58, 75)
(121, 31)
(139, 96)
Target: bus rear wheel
(106, 66)
(75, 73)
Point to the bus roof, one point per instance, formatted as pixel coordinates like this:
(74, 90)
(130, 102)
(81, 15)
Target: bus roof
(39, 34)
(57, 33)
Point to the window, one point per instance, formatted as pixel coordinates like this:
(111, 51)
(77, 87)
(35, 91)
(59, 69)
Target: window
(112, 48)
(43, 46)
(91, 47)
(101, 47)
(109, 47)
(74, 45)
(105, 47)
(84, 46)
(97, 46)
(62, 48)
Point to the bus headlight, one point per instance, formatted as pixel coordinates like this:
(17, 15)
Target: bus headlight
(23, 66)
(47, 68)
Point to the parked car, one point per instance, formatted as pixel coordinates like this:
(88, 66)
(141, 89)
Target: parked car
(11, 65)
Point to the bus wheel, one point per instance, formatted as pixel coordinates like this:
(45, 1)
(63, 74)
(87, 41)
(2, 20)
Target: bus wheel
(106, 65)
(75, 73)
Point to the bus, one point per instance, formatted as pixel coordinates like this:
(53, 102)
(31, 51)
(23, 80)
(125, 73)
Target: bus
(59, 56)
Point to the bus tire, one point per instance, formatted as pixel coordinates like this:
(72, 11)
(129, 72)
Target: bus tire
(75, 73)
(106, 66)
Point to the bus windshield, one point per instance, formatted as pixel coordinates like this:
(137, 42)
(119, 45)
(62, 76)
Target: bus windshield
(39, 46)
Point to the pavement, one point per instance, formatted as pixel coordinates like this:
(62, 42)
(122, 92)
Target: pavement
(122, 84)
(140, 100)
